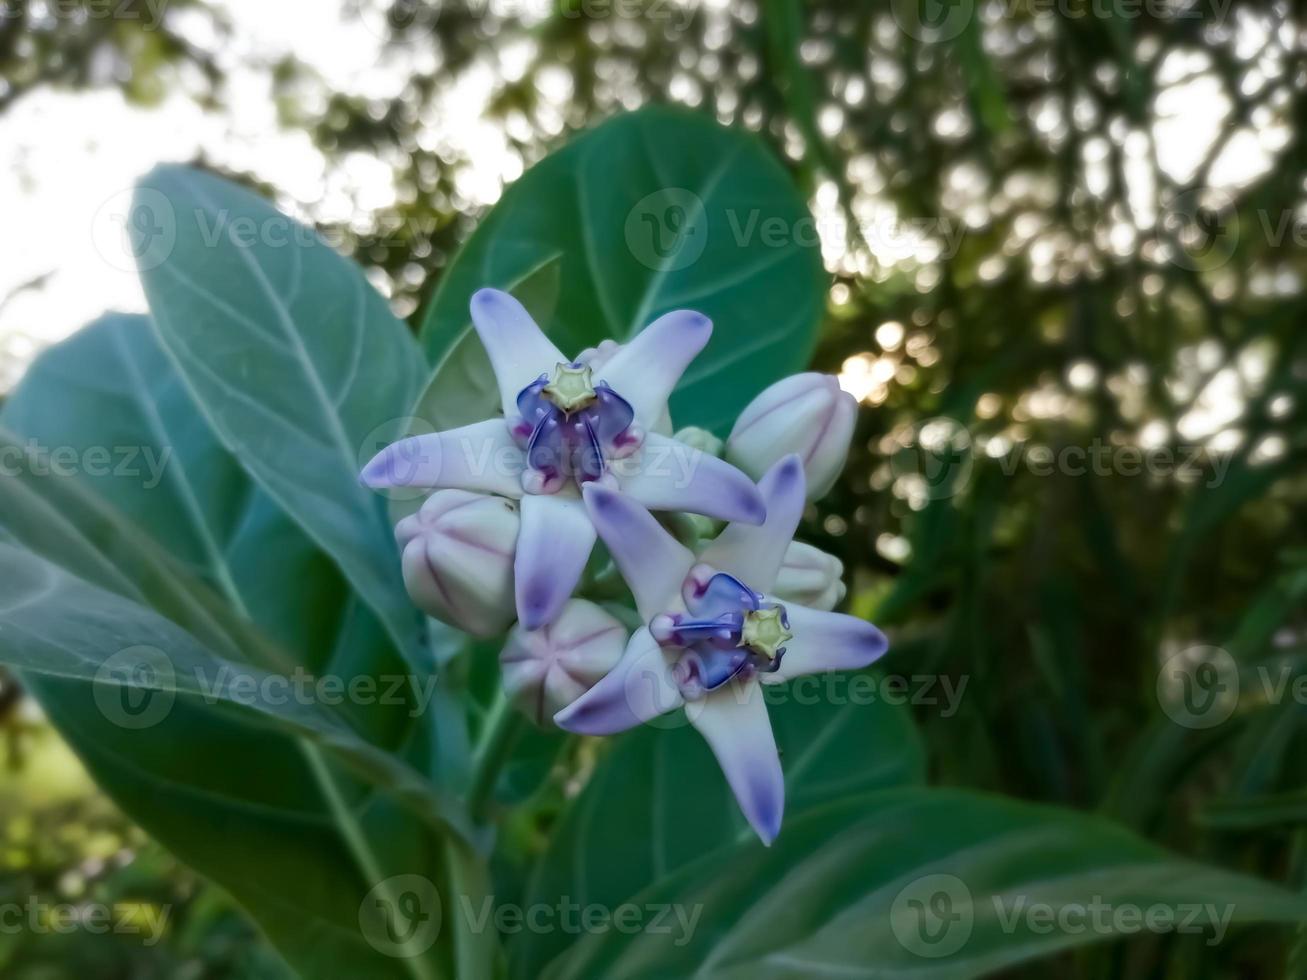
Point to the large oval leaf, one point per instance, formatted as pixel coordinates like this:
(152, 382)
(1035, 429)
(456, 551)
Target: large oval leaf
(310, 837)
(651, 211)
(283, 802)
(658, 801)
(109, 398)
(929, 884)
(295, 361)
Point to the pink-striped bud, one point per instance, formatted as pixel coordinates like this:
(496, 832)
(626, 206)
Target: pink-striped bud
(547, 669)
(458, 554)
(810, 577)
(807, 414)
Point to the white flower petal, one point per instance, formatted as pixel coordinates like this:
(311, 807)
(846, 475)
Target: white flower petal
(519, 351)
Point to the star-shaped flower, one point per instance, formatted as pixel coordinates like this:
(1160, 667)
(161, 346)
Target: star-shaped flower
(562, 429)
(714, 634)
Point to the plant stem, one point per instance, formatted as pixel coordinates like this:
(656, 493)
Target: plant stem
(502, 725)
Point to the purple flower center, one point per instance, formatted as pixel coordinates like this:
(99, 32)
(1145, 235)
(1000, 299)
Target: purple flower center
(570, 427)
(729, 631)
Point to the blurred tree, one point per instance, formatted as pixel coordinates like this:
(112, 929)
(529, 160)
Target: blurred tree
(1067, 285)
(76, 44)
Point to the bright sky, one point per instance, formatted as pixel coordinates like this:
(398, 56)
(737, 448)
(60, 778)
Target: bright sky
(72, 158)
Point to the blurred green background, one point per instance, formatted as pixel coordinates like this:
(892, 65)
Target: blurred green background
(1066, 247)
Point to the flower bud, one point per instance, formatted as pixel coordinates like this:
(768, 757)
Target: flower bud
(547, 669)
(597, 357)
(700, 439)
(806, 414)
(810, 577)
(458, 559)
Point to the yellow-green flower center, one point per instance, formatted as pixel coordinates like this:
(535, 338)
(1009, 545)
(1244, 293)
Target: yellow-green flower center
(764, 632)
(571, 387)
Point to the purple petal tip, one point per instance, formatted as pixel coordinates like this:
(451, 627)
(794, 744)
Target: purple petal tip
(874, 644)
(377, 474)
(789, 469)
(567, 719)
(535, 605)
(599, 498)
(752, 508)
(582, 719)
(697, 321)
(770, 808)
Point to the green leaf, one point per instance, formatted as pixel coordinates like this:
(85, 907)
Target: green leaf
(919, 883)
(1256, 813)
(54, 624)
(109, 398)
(652, 211)
(295, 362)
(259, 812)
(215, 778)
(658, 801)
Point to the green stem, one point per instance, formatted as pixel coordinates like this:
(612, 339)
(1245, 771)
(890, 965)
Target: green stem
(502, 726)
